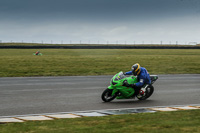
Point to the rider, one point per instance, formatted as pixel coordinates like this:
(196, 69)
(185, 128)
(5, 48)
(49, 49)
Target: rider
(142, 76)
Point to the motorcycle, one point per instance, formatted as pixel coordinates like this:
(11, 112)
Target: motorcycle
(119, 91)
(37, 53)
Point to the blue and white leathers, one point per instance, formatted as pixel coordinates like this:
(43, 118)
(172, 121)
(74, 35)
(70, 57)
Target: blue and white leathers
(143, 77)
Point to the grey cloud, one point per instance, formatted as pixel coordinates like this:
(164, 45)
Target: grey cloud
(103, 20)
(96, 9)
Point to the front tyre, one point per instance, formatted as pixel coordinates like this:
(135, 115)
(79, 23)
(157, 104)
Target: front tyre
(107, 95)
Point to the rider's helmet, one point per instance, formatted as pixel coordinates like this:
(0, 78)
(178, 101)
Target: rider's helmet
(136, 69)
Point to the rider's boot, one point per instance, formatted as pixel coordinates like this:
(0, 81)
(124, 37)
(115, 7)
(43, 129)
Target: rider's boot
(141, 92)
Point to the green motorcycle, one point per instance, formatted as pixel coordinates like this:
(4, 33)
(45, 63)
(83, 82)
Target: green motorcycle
(37, 53)
(119, 91)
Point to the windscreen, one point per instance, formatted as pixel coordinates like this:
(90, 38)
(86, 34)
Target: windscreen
(120, 76)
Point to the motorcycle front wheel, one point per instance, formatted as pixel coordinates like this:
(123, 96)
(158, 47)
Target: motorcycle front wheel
(107, 95)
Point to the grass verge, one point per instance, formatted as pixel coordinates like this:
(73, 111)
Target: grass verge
(67, 62)
(78, 44)
(159, 122)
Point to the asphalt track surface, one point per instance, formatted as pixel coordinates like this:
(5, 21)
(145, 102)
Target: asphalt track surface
(38, 95)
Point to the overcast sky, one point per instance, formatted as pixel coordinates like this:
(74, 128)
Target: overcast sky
(100, 21)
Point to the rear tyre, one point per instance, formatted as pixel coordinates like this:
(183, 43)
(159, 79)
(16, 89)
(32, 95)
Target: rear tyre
(149, 92)
(107, 95)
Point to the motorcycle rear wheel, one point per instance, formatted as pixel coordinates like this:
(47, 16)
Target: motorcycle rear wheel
(107, 95)
(149, 92)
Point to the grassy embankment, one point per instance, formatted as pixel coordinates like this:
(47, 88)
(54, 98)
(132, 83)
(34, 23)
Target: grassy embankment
(66, 62)
(85, 44)
(160, 122)
(54, 62)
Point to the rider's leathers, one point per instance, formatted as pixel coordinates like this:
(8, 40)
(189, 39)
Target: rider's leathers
(143, 77)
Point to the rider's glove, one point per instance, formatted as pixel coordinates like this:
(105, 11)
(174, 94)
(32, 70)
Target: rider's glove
(133, 85)
(124, 73)
(126, 84)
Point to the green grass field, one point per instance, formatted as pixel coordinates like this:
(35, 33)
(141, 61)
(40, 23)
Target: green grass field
(67, 62)
(64, 62)
(82, 44)
(159, 122)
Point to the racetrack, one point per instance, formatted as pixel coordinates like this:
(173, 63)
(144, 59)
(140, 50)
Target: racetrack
(37, 95)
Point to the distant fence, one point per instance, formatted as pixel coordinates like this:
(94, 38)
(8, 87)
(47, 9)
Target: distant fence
(99, 47)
